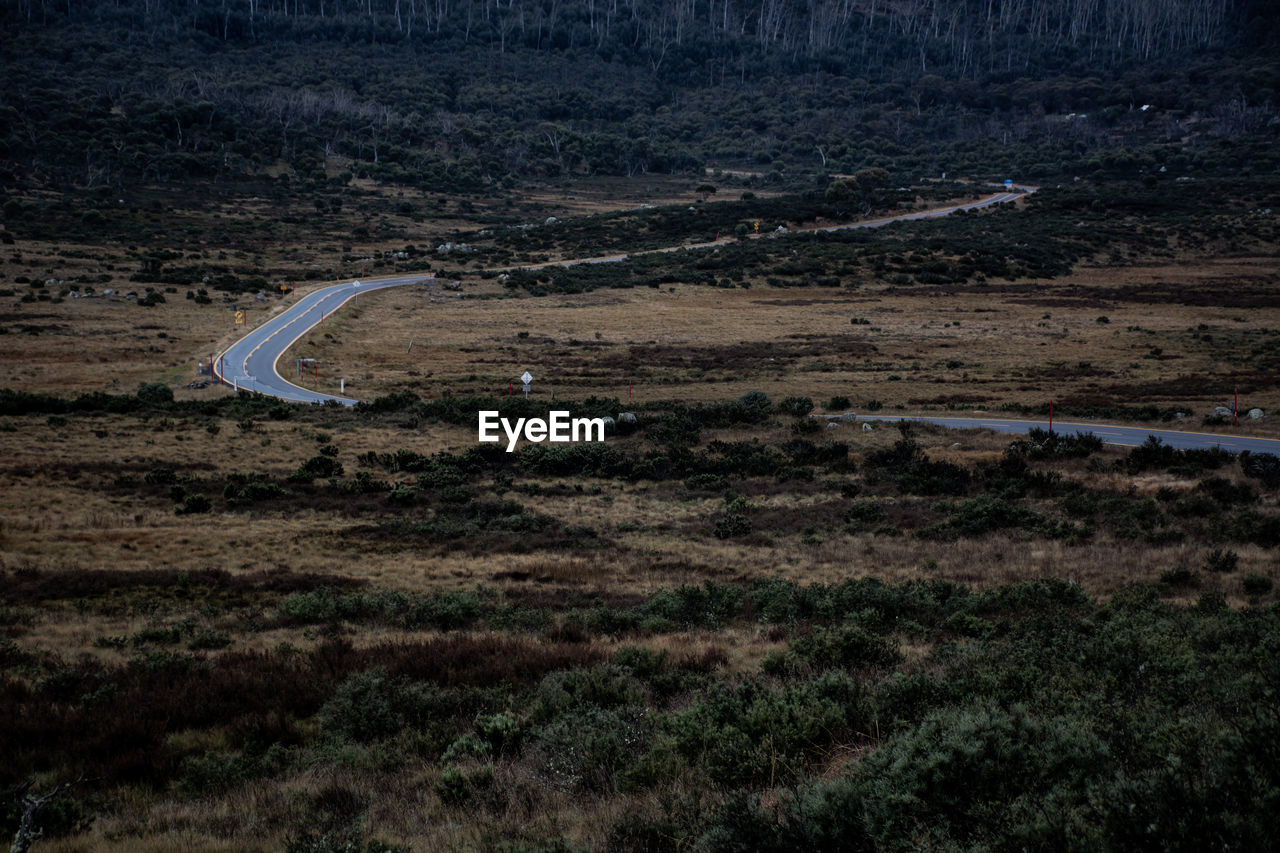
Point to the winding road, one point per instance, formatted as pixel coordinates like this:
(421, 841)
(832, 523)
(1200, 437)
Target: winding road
(251, 363)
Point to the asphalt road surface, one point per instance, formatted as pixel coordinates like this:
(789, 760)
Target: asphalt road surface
(250, 363)
(1128, 436)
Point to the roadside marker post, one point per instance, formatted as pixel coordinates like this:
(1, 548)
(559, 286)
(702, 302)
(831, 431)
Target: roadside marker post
(527, 379)
(1235, 409)
(1050, 417)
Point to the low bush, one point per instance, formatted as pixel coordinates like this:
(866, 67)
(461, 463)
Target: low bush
(194, 504)
(1221, 561)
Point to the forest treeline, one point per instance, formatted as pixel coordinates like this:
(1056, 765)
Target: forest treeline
(466, 95)
(967, 36)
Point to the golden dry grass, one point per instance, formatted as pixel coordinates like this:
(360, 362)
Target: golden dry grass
(111, 344)
(59, 510)
(972, 350)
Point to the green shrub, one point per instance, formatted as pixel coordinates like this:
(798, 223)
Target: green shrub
(1221, 560)
(456, 494)
(734, 520)
(798, 407)
(453, 788)
(844, 646)
(208, 640)
(160, 477)
(1261, 466)
(906, 698)
(1042, 444)
(321, 465)
(1256, 584)
(156, 393)
(708, 606)
(253, 491)
(604, 686)
(987, 514)
(160, 636)
(370, 705)
(1181, 576)
(587, 748)
(968, 773)
(196, 503)
(749, 733)
(704, 483)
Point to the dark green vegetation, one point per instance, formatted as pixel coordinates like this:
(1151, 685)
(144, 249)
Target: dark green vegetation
(475, 96)
(591, 646)
(1034, 717)
(1040, 488)
(1118, 223)
(868, 714)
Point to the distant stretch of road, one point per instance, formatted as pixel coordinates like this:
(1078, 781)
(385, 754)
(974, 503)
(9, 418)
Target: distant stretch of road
(1128, 436)
(931, 213)
(250, 363)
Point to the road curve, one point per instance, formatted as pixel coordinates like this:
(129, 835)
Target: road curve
(250, 363)
(1126, 436)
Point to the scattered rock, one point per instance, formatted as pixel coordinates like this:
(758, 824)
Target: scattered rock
(1255, 414)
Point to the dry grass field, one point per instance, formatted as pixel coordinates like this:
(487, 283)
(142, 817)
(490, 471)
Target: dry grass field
(1099, 337)
(231, 569)
(1109, 336)
(61, 343)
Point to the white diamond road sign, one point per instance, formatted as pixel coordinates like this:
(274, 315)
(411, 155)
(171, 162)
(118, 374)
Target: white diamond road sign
(526, 378)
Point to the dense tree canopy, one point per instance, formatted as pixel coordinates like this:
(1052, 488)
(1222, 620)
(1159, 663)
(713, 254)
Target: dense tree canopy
(467, 94)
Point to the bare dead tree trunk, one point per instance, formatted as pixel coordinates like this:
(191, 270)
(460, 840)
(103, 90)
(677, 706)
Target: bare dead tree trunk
(27, 833)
